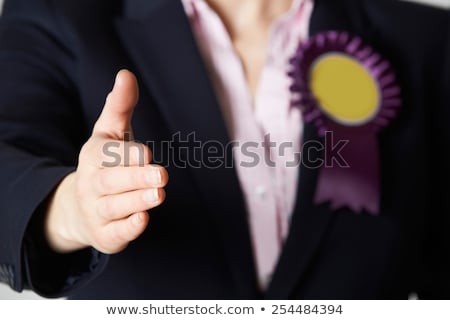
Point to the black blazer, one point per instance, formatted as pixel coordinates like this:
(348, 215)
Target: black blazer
(58, 59)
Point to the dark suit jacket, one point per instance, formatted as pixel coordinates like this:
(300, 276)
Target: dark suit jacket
(58, 59)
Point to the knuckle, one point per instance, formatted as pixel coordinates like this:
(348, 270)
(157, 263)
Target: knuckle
(85, 152)
(116, 241)
(138, 154)
(104, 182)
(105, 208)
(120, 238)
(99, 152)
(110, 153)
(135, 177)
(81, 192)
(135, 154)
(98, 240)
(108, 98)
(110, 248)
(107, 241)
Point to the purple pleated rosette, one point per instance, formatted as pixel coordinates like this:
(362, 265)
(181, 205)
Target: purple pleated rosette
(325, 56)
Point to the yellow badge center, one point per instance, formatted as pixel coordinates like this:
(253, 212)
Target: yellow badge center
(345, 90)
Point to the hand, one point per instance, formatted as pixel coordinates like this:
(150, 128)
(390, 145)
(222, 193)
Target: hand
(102, 205)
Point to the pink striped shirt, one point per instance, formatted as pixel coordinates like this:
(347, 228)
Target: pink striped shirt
(270, 186)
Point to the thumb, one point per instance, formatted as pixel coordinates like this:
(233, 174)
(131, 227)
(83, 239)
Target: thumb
(115, 120)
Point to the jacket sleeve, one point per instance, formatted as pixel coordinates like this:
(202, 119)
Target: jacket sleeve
(436, 283)
(41, 132)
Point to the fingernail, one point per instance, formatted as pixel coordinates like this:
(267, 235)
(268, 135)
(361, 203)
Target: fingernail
(151, 196)
(137, 219)
(116, 80)
(155, 176)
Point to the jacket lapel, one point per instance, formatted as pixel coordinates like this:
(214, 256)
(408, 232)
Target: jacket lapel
(310, 222)
(158, 37)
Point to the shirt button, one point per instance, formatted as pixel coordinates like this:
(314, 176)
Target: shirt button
(261, 192)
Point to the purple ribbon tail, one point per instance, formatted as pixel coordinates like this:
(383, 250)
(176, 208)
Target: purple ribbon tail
(354, 182)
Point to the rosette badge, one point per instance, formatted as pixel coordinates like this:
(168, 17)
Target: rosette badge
(346, 88)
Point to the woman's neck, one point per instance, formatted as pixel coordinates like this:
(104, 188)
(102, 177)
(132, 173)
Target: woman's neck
(241, 15)
(248, 23)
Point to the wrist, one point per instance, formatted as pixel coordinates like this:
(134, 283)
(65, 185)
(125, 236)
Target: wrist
(59, 224)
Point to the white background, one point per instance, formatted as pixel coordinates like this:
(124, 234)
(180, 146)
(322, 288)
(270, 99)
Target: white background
(6, 293)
